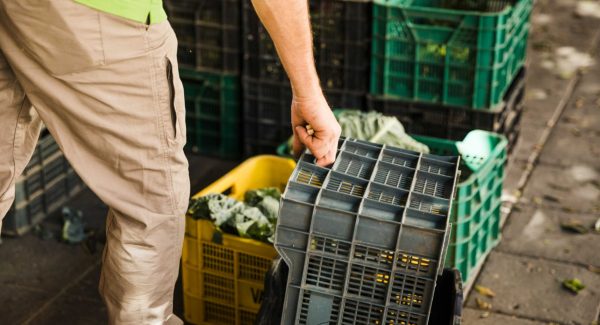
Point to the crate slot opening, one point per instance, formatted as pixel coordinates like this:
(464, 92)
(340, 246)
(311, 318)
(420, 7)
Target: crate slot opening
(394, 176)
(310, 175)
(434, 185)
(353, 165)
(360, 148)
(346, 185)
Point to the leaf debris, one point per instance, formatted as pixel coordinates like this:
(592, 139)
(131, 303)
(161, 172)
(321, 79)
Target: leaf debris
(485, 291)
(574, 285)
(482, 304)
(574, 226)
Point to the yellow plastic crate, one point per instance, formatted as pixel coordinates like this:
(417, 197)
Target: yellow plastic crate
(223, 274)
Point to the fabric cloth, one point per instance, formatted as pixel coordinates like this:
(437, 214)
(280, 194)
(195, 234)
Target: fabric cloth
(142, 11)
(109, 92)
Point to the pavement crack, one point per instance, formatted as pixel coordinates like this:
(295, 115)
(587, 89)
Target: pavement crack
(532, 257)
(61, 293)
(523, 317)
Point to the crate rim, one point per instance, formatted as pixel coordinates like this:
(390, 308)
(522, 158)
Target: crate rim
(231, 174)
(500, 146)
(506, 10)
(503, 142)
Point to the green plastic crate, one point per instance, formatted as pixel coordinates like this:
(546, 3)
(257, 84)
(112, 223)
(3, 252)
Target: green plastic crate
(476, 210)
(213, 111)
(484, 156)
(424, 52)
(465, 254)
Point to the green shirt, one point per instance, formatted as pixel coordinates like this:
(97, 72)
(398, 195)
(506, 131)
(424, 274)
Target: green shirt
(138, 10)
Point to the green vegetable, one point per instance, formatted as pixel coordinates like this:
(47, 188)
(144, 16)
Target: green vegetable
(251, 223)
(255, 218)
(216, 207)
(254, 197)
(375, 127)
(269, 206)
(574, 285)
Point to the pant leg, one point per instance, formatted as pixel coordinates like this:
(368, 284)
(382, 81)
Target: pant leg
(19, 129)
(108, 90)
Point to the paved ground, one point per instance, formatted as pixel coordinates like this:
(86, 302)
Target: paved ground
(46, 282)
(535, 255)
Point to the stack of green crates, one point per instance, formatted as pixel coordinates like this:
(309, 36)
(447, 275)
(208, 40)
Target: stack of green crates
(439, 57)
(476, 209)
(212, 102)
(209, 56)
(456, 53)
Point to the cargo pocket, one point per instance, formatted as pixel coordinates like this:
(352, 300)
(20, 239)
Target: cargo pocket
(171, 98)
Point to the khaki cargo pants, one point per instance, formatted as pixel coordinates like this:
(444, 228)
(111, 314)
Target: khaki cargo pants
(108, 90)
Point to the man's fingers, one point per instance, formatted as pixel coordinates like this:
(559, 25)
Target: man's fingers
(313, 143)
(326, 160)
(321, 144)
(303, 136)
(329, 157)
(297, 147)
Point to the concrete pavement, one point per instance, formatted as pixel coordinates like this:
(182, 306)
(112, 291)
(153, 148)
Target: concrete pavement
(535, 255)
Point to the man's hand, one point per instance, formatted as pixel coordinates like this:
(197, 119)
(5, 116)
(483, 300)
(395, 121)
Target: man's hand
(316, 128)
(288, 24)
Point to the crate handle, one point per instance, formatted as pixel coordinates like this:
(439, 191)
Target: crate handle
(424, 17)
(217, 237)
(227, 191)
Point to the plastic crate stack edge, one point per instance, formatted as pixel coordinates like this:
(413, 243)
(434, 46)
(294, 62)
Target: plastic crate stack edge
(342, 38)
(365, 239)
(213, 112)
(267, 93)
(208, 34)
(342, 32)
(209, 54)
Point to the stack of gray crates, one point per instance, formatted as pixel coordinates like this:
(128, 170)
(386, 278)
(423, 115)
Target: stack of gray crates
(46, 184)
(365, 239)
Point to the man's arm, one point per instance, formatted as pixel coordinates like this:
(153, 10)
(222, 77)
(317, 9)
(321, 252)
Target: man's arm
(288, 24)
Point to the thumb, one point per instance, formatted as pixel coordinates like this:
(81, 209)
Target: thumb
(303, 136)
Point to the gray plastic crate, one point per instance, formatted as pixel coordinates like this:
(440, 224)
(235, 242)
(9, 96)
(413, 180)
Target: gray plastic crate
(27, 213)
(46, 148)
(365, 239)
(46, 184)
(37, 177)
